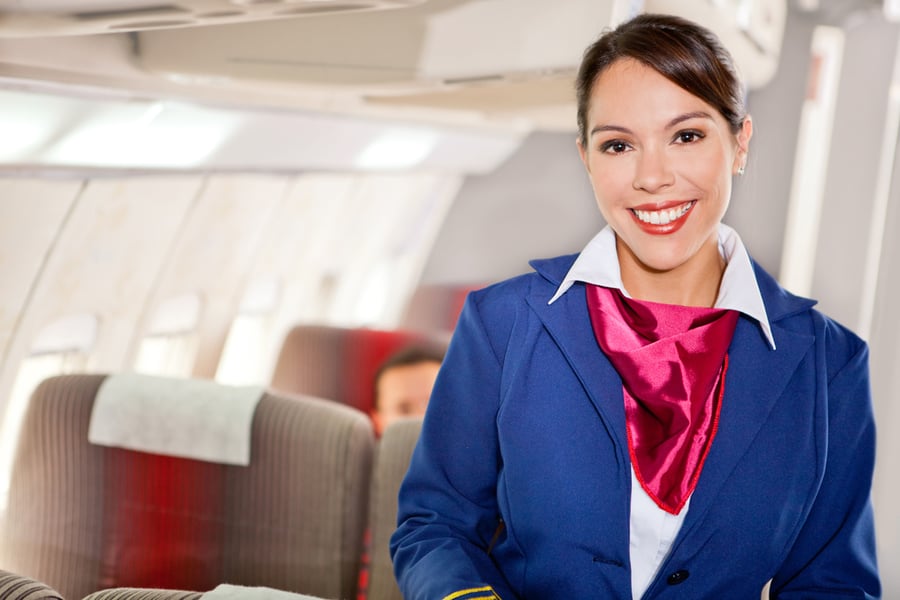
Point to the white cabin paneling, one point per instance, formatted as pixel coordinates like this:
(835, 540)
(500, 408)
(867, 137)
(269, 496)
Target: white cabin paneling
(31, 214)
(304, 243)
(213, 254)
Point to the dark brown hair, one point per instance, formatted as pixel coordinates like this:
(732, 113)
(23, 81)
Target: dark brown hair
(413, 354)
(683, 52)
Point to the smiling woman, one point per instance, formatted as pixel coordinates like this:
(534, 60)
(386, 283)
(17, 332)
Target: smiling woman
(603, 427)
(660, 160)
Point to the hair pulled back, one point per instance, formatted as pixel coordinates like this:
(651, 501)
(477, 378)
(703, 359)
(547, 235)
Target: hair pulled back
(683, 52)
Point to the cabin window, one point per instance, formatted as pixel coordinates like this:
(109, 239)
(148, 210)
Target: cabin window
(170, 346)
(245, 358)
(372, 303)
(61, 347)
(390, 224)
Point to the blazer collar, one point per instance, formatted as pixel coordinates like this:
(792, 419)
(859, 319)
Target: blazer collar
(779, 303)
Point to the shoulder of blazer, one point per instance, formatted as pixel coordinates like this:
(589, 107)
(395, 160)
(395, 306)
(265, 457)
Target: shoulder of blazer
(780, 303)
(795, 313)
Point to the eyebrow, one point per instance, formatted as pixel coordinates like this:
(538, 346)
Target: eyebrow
(699, 114)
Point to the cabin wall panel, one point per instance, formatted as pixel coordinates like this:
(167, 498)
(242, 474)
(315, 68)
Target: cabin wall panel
(300, 241)
(851, 182)
(390, 230)
(319, 204)
(885, 367)
(537, 204)
(283, 252)
(760, 197)
(32, 212)
(104, 262)
(884, 360)
(213, 255)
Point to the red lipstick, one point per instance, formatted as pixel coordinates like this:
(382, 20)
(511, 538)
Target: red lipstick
(664, 218)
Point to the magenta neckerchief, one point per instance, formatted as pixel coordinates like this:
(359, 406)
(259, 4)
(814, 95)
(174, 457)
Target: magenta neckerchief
(672, 360)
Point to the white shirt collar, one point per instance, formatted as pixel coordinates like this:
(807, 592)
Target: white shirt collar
(598, 264)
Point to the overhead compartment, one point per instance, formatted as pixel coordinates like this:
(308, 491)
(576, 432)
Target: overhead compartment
(512, 60)
(751, 29)
(493, 58)
(497, 63)
(34, 18)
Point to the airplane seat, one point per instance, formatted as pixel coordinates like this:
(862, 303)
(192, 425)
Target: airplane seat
(436, 307)
(225, 592)
(339, 363)
(18, 587)
(392, 457)
(143, 594)
(84, 517)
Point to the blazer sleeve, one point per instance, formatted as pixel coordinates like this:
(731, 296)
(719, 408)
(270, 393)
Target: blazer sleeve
(448, 510)
(834, 553)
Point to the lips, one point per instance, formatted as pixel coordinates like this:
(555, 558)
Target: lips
(662, 220)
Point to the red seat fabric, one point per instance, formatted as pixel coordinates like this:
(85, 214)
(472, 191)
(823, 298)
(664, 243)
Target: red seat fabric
(339, 363)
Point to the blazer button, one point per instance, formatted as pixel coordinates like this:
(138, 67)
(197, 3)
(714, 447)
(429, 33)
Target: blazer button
(678, 577)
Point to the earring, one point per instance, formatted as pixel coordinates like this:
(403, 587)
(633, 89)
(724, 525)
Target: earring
(741, 170)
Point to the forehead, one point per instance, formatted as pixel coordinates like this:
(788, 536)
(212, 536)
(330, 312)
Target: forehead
(402, 377)
(629, 89)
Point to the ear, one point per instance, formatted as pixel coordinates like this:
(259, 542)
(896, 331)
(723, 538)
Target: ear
(743, 145)
(582, 152)
(376, 422)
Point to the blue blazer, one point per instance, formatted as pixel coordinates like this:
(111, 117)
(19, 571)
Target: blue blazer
(520, 485)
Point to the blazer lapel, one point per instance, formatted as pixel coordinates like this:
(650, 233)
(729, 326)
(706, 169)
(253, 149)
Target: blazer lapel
(568, 323)
(756, 378)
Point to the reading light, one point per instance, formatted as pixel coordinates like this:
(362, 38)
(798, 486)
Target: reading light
(27, 122)
(397, 150)
(145, 136)
(891, 10)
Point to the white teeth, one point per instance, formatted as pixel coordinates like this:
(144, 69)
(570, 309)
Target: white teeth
(663, 217)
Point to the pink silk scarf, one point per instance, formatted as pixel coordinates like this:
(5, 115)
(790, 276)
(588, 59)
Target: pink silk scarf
(672, 360)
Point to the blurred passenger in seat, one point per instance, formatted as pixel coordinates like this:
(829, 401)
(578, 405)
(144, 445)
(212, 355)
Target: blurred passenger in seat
(403, 384)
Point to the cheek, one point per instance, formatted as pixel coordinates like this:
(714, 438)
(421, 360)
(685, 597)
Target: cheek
(609, 184)
(711, 173)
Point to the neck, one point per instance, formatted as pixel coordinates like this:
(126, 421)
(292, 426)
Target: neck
(694, 283)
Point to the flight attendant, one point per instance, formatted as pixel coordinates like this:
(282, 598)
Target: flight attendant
(654, 417)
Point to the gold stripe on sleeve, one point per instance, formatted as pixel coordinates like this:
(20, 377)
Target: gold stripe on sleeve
(461, 593)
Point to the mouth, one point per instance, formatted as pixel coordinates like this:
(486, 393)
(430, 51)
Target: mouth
(663, 216)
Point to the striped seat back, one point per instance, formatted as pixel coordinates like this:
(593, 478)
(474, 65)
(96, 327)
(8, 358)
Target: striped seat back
(83, 517)
(392, 458)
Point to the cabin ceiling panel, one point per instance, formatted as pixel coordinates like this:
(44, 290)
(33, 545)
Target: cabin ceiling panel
(44, 130)
(495, 66)
(24, 18)
(500, 63)
(444, 56)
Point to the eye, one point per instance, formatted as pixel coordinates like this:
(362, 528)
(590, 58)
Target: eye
(688, 136)
(614, 147)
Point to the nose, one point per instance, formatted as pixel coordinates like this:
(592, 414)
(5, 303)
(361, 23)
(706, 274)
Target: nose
(652, 172)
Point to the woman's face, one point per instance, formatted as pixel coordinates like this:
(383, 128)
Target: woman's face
(661, 162)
